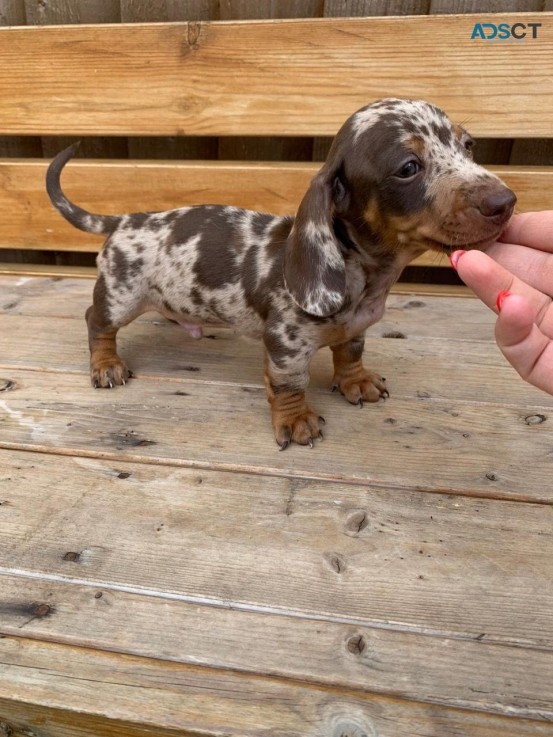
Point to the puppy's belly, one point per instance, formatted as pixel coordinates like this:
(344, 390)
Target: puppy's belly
(245, 322)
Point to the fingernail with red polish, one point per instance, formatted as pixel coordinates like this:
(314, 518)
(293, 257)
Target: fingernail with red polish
(454, 258)
(501, 297)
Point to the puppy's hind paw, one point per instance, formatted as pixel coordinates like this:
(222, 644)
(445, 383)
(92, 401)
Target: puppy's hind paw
(107, 374)
(364, 386)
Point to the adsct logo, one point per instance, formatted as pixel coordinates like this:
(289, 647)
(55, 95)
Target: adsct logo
(505, 31)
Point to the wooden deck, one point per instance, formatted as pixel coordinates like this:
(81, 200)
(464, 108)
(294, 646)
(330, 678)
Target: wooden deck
(165, 570)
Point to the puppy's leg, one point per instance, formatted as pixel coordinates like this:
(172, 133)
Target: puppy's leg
(351, 377)
(293, 419)
(106, 368)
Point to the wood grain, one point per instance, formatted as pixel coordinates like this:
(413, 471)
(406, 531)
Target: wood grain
(72, 11)
(354, 8)
(454, 672)
(192, 580)
(476, 449)
(485, 6)
(416, 366)
(30, 222)
(149, 694)
(409, 313)
(287, 77)
(420, 563)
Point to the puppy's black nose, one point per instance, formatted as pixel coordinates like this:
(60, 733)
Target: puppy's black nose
(498, 204)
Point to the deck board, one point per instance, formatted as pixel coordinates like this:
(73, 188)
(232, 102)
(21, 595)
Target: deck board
(453, 672)
(369, 556)
(470, 448)
(328, 585)
(190, 700)
(158, 349)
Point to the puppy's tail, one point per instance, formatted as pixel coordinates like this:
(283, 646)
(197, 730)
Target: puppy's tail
(78, 217)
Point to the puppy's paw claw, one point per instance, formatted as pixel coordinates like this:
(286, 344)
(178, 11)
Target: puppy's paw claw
(366, 386)
(302, 429)
(107, 374)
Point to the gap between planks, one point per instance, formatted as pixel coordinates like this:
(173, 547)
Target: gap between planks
(226, 604)
(327, 659)
(272, 472)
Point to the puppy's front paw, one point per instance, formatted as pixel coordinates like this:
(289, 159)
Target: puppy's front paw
(362, 386)
(109, 373)
(294, 421)
(302, 429)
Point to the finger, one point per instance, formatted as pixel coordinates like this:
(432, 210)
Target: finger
(534, 229)
(487, 278)
(533, 266)
(523, 344)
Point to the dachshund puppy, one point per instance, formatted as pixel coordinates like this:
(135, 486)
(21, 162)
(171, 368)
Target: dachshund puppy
(399, 180)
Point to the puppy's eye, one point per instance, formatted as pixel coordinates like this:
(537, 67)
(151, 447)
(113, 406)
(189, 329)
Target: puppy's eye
(468, 143)
(409, 170)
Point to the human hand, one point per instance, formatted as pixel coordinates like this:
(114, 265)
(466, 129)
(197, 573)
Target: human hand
(514, 277)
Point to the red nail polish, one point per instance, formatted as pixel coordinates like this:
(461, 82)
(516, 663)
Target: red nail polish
(501, 298)
(454, 258)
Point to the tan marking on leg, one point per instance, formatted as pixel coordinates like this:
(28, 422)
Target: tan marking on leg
(293, 419)
(106, 368)
(354, 381)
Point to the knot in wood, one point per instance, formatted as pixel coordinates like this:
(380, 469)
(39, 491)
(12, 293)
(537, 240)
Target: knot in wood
(193, 35)
(336, 561)
(72, 556)
(40, 609)
(348, 728)
(394, 334)
(535, 419)
(356, 523)
(356, 644)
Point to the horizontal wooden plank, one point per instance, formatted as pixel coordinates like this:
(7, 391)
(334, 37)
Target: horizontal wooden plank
(415, 366)
(30, 222)
(408, 312)
(120, 187)
(476, 449)
(72, 692)
(48, 271)
(288, 77)
(464, 673)
(440, 565)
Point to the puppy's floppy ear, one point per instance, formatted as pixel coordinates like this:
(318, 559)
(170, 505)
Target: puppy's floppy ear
(314, 268)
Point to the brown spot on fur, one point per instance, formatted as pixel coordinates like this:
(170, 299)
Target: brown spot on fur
(101, 301)
(372, 215)
(123, 268)
(416, 144)
(196, 297)
(216, 266)
(458, 132)
(443, 132)
(137, 220)
(277, 349)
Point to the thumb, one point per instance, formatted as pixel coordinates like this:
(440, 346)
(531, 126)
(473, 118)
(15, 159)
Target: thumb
(522, 343)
